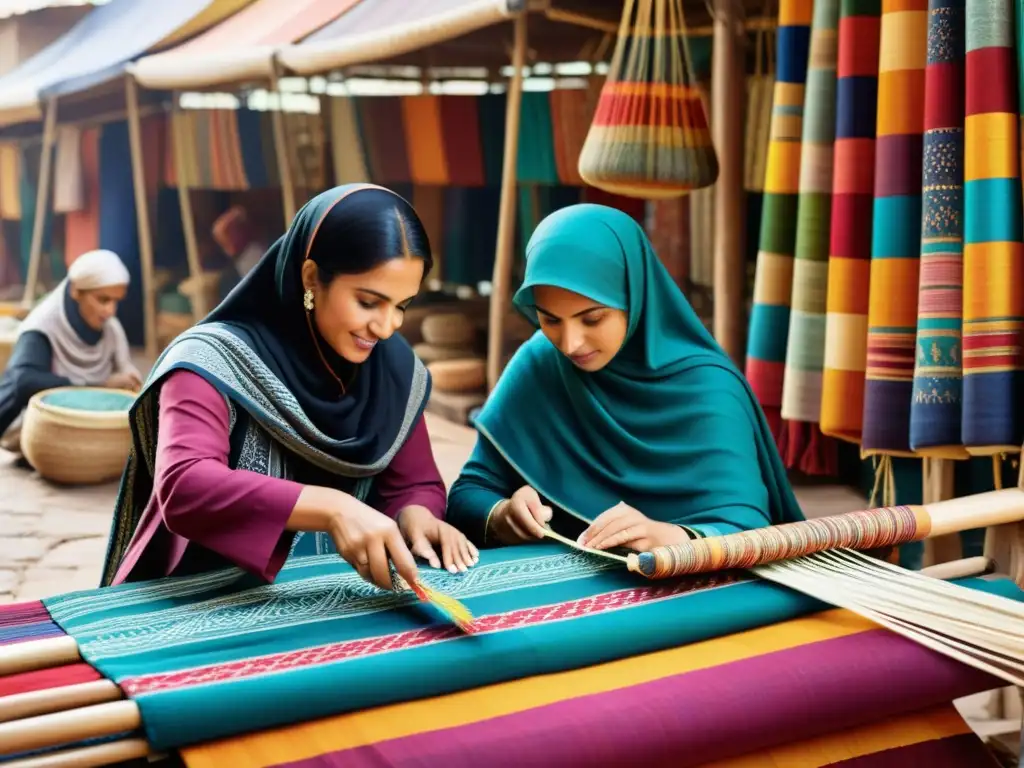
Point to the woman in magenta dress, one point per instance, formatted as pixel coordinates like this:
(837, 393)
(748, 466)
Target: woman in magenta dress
(289, 422)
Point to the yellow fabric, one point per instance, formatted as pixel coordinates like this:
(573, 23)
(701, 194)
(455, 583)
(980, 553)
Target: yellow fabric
(10, 174)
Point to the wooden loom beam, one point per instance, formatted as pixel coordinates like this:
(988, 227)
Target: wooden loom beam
(501, 284)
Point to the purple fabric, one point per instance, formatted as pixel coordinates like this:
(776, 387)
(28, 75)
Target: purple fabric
(240, 515)
(964, 751)
(900, 156)
(697, 717)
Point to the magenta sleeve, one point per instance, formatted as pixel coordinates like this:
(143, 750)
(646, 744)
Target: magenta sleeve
(412, 477)
(238, 514)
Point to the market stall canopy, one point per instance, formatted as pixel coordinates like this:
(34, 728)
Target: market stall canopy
(240, 48)
(380, 29)
(97, 48)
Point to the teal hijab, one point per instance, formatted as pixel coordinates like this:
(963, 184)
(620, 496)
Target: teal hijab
(631, 431)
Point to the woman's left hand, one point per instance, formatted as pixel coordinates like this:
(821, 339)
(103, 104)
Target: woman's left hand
(425, 534)
(623, 526)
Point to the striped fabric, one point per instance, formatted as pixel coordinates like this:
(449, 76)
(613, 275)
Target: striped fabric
(801, 391)
(853, 183)
(896, 235)
(935, 410)
(213, 150)
(993, 277)
(773, 282)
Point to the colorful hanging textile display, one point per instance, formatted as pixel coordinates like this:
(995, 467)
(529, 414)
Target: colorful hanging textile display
(68, 192)
(853, 184)
(212, 150)
(896, 234)
(935, 411)
(424, 139)
(259, 654)
(773, 282)
(993, 293)
(535, 161)
(82, 227)
(650, 137)
(805, 447)
(463, 149)
(572, 110)
(346, 141)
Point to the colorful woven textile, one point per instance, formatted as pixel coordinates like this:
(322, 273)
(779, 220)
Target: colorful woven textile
(536, 162)
(424, 139)
(805, 348)
(835, 687)
(853, 184)
(773, 283)
(572, 110)
(896, 234)
(993, 406)
(270, 655)
(212, 151)
(935, 410)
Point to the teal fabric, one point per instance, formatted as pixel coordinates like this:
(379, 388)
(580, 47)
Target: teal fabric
(535, 161)
(375, 647)
(670, 426)
(89, 400)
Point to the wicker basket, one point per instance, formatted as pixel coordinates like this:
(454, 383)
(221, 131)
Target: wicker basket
(78, 435)
(449, 329)
(466, 375)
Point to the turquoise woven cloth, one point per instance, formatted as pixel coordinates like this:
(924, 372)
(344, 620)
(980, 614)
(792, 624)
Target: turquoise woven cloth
(321, 641)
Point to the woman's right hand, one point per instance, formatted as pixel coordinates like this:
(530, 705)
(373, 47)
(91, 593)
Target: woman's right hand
(520, 518)
(123, 380)
(370, 541)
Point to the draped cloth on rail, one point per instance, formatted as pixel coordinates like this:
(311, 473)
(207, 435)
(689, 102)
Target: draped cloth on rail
(773, 282)
(936, 407)
(896, 235)
(853, 183)
(993, 300)
(806, 448)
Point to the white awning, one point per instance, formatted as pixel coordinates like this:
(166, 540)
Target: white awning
(380, 29)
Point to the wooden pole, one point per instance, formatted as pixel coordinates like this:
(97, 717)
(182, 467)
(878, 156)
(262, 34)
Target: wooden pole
(281, 147)
(42, 203)
(188, 221)
(937, 485)
(131, 92)
(728, 89)
(501, 283)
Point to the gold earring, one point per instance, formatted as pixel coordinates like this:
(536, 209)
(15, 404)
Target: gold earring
(307, 300)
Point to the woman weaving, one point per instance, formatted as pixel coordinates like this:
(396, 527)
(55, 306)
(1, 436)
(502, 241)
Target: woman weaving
(289, 421)
(72, 338)
(623, 423)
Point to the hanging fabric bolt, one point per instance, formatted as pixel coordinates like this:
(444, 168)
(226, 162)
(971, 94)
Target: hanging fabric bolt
(649, 137)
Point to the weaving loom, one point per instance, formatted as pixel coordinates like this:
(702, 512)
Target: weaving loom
(322, 666)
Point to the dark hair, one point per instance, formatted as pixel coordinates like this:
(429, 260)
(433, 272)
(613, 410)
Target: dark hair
(366, 229)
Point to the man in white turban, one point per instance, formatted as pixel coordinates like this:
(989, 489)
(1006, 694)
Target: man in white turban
(72, 338)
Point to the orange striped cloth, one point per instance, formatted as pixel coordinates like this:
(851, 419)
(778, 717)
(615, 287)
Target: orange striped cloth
(424, 139)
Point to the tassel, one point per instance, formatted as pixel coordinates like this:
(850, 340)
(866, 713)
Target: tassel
(449, 607)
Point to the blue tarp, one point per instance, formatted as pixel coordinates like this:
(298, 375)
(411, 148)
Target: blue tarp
(95, 50)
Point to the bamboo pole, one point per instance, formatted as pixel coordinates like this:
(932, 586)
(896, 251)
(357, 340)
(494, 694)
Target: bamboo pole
(728, 92)
(188, 221)
(42, 203)
(501, 284)
(284, 163)
(142, 218)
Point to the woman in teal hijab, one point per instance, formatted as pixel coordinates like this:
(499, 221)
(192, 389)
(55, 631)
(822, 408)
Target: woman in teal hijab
(622, 423)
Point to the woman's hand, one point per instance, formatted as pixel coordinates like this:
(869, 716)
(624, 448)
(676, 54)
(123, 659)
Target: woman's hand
(425, 534)
(124, 380)
(369, 541)
(520, 518)
(623, 526)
